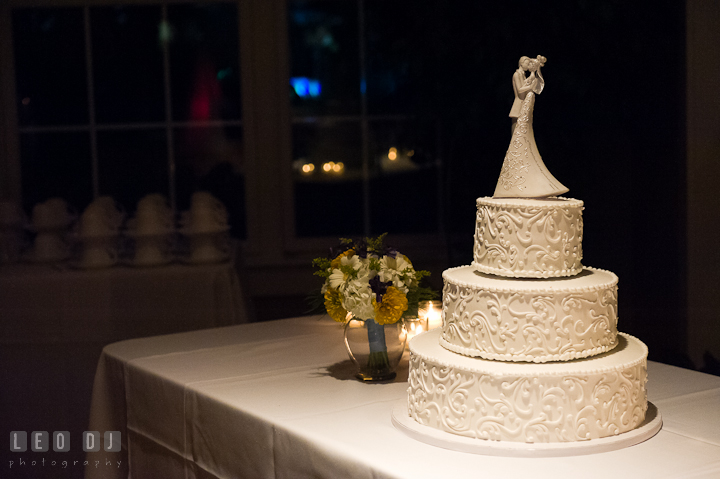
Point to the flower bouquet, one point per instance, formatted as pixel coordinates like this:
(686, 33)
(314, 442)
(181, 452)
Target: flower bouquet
(368, 281)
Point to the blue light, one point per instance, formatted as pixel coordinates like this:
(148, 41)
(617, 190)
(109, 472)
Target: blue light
(300, 84)
(314, 88)
(304, 87)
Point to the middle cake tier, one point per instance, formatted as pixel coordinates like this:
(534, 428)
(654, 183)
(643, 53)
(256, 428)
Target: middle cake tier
(535, 320)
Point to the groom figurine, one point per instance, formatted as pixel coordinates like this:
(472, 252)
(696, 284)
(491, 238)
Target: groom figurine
(519, 88)
(523, 174)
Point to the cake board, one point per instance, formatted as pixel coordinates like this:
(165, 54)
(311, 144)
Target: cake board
(403, 422)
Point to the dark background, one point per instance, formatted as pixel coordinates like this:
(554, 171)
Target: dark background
(610, 125)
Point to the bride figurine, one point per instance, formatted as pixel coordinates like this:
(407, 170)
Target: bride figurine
(523, 173)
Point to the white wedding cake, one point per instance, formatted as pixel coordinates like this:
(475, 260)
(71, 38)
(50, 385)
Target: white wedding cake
(529, 350)
(522, 355)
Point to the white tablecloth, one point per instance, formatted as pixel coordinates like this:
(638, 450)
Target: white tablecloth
(54, 322)
(276, 400)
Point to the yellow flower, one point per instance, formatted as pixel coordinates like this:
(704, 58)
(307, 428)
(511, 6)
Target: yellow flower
(335, 264)
(407, 259)
(333, 305)
(394, 304)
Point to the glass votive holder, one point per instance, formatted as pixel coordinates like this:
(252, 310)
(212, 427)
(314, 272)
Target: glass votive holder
(414, 326)
(431, 311)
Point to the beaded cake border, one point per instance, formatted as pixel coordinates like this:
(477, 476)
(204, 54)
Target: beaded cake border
(561, 273)
(548, 289)
(508, 203)
(530, 373)
(475, 353)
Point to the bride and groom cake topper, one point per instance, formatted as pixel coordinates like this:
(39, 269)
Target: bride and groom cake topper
(523, 174)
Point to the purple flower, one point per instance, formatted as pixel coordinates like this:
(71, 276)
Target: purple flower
(390, 251)
(379, 288)
(361, 248)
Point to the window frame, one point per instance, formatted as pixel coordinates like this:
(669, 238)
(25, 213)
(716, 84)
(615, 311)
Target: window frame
(93, 127)
(426, 245)
(271, 248)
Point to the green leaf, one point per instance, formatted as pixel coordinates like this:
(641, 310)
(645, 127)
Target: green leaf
(316, 302)
(376, 244)
(414, 296)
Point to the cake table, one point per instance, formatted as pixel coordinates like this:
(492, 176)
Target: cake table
(273, 400)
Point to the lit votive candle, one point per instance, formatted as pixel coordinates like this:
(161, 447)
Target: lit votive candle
(414, 326)
(431, 311)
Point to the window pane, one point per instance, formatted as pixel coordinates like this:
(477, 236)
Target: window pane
(324, 57)
(405, 177)
(394, 56)
(132, 164)
(127, 63)
(204, 64)
(56, 164)
(50, 66)
(328, 197)
(210, 159)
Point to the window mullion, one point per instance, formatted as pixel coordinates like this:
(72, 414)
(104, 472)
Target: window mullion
(10, 169)
(364, 127)
(168, 113)
(91, 104)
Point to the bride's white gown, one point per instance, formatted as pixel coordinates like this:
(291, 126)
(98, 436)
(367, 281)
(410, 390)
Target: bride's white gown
(523, 173)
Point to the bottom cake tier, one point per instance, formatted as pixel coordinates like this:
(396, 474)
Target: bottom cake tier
(567, 401)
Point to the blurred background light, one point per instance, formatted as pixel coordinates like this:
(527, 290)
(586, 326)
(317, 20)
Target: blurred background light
(392, 154)
(305, 87)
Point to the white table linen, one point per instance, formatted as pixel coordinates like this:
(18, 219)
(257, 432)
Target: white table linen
(274, 400)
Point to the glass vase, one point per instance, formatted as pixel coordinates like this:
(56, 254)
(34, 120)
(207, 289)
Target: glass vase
(375, 349)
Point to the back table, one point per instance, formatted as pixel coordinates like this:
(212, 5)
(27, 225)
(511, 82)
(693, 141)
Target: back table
(277, 400)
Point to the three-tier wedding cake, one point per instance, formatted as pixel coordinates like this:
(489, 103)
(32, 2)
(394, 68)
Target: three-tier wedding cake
(529, 350)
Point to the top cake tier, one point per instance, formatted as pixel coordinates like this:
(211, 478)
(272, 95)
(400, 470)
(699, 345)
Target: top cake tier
(528, 238)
